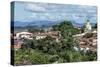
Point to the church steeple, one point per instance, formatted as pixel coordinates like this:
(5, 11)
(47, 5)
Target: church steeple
(88, 27)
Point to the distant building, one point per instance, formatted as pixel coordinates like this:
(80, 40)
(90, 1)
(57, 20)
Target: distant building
(40, 37)
(88, 27)
(15, 43)
(53, 34)
(27, 35)
(87, 43)
(79, 35)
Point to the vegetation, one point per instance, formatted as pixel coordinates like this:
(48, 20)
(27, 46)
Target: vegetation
(47, 50)
(32, 57)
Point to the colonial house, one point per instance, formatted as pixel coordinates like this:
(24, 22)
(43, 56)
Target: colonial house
(53, 34)
(15, 43)
(40, 36)
(27, 35)
(87, 43)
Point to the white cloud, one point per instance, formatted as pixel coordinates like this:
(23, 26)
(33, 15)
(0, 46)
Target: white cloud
(34, 7)
(50, 16)
(56, 12)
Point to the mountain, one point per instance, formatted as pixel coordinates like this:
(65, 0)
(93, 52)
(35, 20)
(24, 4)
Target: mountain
(77, 24)
(43, 23)
(18, 24)
(81, 24)
(33, 23)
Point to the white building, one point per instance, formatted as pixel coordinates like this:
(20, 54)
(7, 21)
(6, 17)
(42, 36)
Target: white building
(88, 27)
(27, 35)
(79, 35)
(40, 37)
(53, 34)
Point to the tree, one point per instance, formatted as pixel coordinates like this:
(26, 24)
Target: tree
(26, 44)
(95, 26)
(63, 25)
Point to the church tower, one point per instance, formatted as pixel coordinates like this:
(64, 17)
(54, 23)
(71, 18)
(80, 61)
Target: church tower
(88, 27)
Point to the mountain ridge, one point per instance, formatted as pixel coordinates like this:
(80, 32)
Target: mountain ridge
(43, 23)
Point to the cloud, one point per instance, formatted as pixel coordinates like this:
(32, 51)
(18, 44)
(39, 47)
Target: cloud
(34, 8)
(55, 8)
(50, 16)
(45, 11)
(44, 16)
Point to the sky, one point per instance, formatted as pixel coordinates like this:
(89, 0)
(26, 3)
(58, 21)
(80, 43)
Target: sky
(32, 11)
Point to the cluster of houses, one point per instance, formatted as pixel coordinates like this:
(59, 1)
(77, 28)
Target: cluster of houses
(83, 42)
(87, 41)
(17, 42)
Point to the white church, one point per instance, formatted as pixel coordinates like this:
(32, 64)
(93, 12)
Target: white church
(88, 27)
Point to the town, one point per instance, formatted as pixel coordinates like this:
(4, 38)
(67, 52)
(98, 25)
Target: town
(81, 41)
(48, 33)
